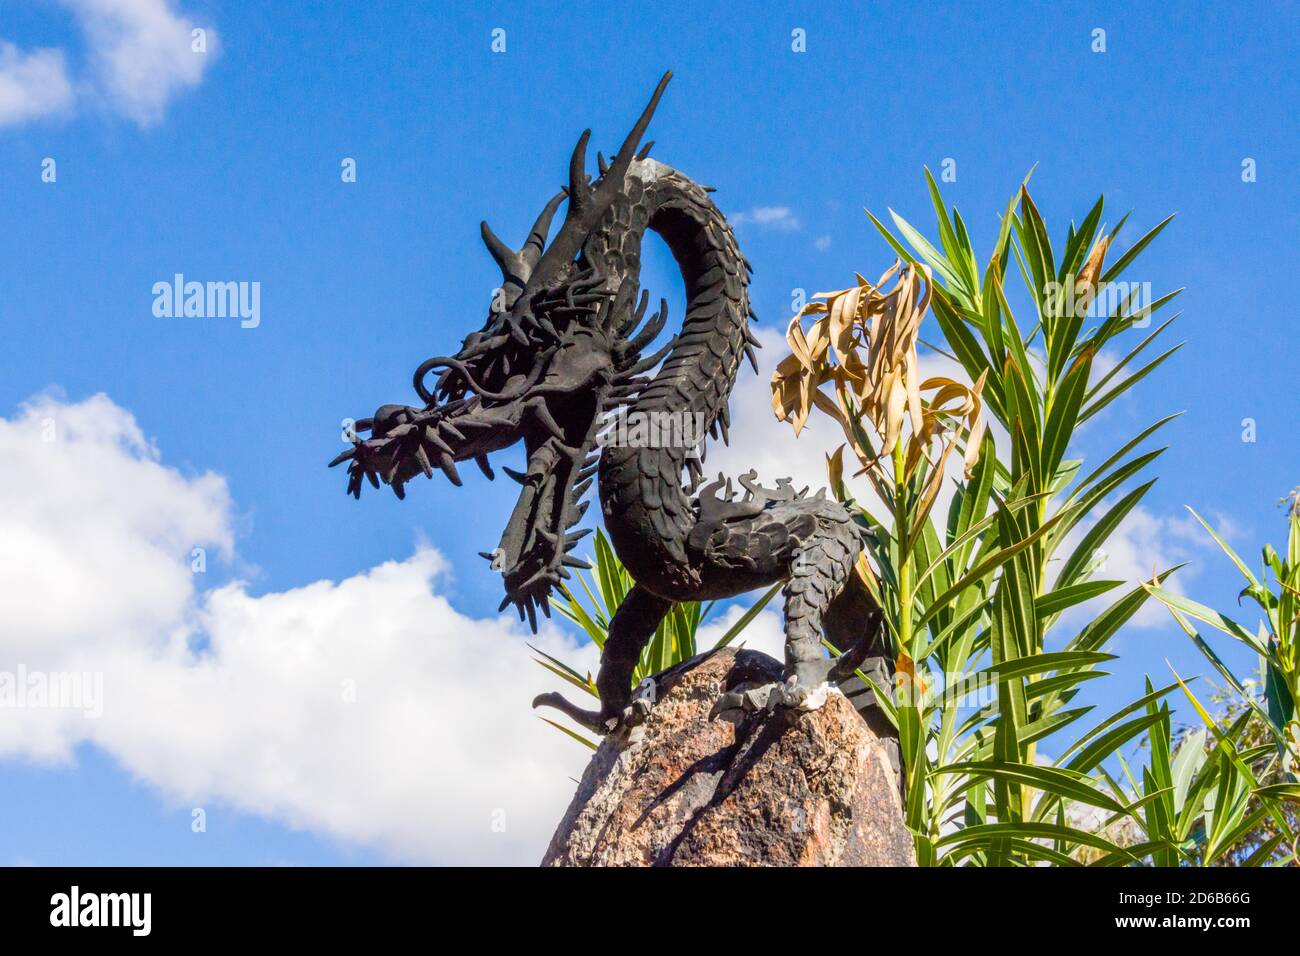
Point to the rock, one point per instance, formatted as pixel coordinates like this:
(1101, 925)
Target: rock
(788, 789)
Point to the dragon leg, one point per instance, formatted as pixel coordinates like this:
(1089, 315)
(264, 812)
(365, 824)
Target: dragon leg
(630, 629)
(853, 623)
(821, 593)
(819, 573)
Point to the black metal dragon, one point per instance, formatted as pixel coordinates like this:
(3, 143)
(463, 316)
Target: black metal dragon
(563, 349)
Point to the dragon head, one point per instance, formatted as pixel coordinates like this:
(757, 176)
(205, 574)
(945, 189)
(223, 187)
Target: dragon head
(560, 349)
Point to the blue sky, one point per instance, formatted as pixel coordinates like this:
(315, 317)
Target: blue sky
(231, 171)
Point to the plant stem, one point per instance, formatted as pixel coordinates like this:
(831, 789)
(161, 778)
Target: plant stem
(904, 547)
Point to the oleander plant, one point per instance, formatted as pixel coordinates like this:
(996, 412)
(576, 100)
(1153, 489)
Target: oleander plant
(986, 537)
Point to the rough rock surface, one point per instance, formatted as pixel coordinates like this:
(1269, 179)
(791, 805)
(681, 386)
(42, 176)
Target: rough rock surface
(812, 789)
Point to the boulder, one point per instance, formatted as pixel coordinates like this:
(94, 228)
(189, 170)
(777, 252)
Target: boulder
(785, 789)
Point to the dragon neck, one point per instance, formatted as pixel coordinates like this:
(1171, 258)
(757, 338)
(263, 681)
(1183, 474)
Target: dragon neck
(646, 507)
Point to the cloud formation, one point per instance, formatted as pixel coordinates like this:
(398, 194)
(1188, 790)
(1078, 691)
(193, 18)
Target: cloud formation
(32, 84)
(368, 710)
(139, 55)
(767, 217)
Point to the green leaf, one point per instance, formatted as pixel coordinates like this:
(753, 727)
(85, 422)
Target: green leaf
(1232, 555)
(986, 566)
(1027, 830)
(1078, 561)
(1043, 663)
(1280, 791)
(1127, 258)
(590, 744)
(1125, 385)
(1124, 450)
(1057, 601)
(927, 252)
(1064, 414)
(1061, 783)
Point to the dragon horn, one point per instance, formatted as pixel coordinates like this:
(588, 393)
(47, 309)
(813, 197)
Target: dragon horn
(502, 253)
(536, 241)
(517, 266)
(579, 193)
(586, 203)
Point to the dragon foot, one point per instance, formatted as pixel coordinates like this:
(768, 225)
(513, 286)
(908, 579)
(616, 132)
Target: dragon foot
(626, 725)
(590, 719)
(735, 705)
(643, 699)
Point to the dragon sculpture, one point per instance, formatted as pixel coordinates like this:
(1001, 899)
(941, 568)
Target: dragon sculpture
(562, 350)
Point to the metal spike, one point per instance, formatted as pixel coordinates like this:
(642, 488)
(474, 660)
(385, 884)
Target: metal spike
(536, 240)
(544, 418)
(423, 460)
(645, 364)
(482, 462)
(449, 469)
(433, 438)
(500, 252)
(579, 193)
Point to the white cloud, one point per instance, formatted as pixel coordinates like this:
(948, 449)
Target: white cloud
(822, 243)
(767, 217)
(139, 56)
(141, 53)
(766, 632)
(32, 84)
(232, 697)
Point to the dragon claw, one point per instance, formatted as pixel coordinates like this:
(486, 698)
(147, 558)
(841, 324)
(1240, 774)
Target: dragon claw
(643, 700)
(735, 705)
